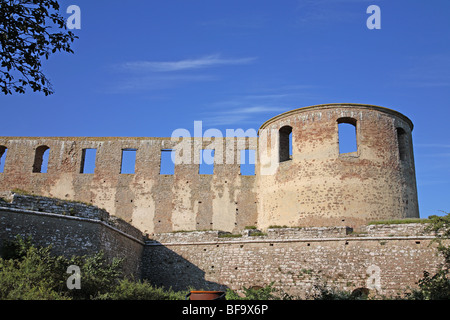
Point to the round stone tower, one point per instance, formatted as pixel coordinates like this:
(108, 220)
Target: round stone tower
(305, 177)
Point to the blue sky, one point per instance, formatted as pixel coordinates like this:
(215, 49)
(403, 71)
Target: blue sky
(146, 68)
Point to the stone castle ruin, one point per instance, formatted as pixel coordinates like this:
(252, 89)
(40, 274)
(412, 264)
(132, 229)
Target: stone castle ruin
(305, 196)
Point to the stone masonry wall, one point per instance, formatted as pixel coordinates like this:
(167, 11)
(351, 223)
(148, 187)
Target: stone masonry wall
(150, 201)
(316, 185)
(320, 186)
(385, 258)
(71, 229)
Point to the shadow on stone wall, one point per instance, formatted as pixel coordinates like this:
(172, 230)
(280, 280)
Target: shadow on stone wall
(164, 267)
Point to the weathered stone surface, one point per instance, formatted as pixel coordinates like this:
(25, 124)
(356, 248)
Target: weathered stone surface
(84, 230)
(310, 208)
(321, 187)
(388, 260)
(317, 186)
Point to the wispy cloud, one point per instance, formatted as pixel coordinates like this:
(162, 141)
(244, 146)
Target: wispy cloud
(255, 107)
(240, 116)
(158, 75)
(253, 110)
(432, 145)
(426, 72)
(186, 64)
(246, 109)
(152, 82)
(328, 11)
(435, 155)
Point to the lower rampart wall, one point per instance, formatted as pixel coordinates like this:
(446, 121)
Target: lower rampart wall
(386, 259)
(71, 232)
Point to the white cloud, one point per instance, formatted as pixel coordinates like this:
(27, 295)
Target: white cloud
(329, 11)
(187, 64)
(145, 83)
(157, 75)
(236, 114)
(257, 107)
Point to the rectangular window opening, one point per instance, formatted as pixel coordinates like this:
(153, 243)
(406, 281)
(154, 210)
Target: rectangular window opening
(206, 161)
(285, 143)
(167, 165)
(247, 162)
(402, 144)
(347, 138)
(88, 160)
(128, 161)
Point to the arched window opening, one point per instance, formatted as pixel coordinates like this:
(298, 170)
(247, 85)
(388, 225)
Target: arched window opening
(41, 159)
(360, 293)
(402, 143)
(285, 147)
(3, 151)
(347, 135)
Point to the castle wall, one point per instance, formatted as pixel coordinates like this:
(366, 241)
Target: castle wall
(150, 201)
(319, 186)
(71, 229)
(387, 260)
(316, 187)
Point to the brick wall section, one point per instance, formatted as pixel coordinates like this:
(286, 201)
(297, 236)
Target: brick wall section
(317, 187)
(150, 201)
(320, 186)
(294, 259)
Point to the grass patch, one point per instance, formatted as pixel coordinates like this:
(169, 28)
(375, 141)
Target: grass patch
(399, 221)
(22, 192)
(230, 235)
(284, 227)
(257, 234)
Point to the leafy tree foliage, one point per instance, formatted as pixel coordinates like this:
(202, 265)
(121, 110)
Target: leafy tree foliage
(437, 286)
(268, 292)
(30, 30)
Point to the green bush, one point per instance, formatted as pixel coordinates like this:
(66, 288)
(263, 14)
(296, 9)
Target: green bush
(437, 286)
(140, 290)
(33, 273)
(29, 272)
(432, 287)
(324, 292)
(259, 293)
